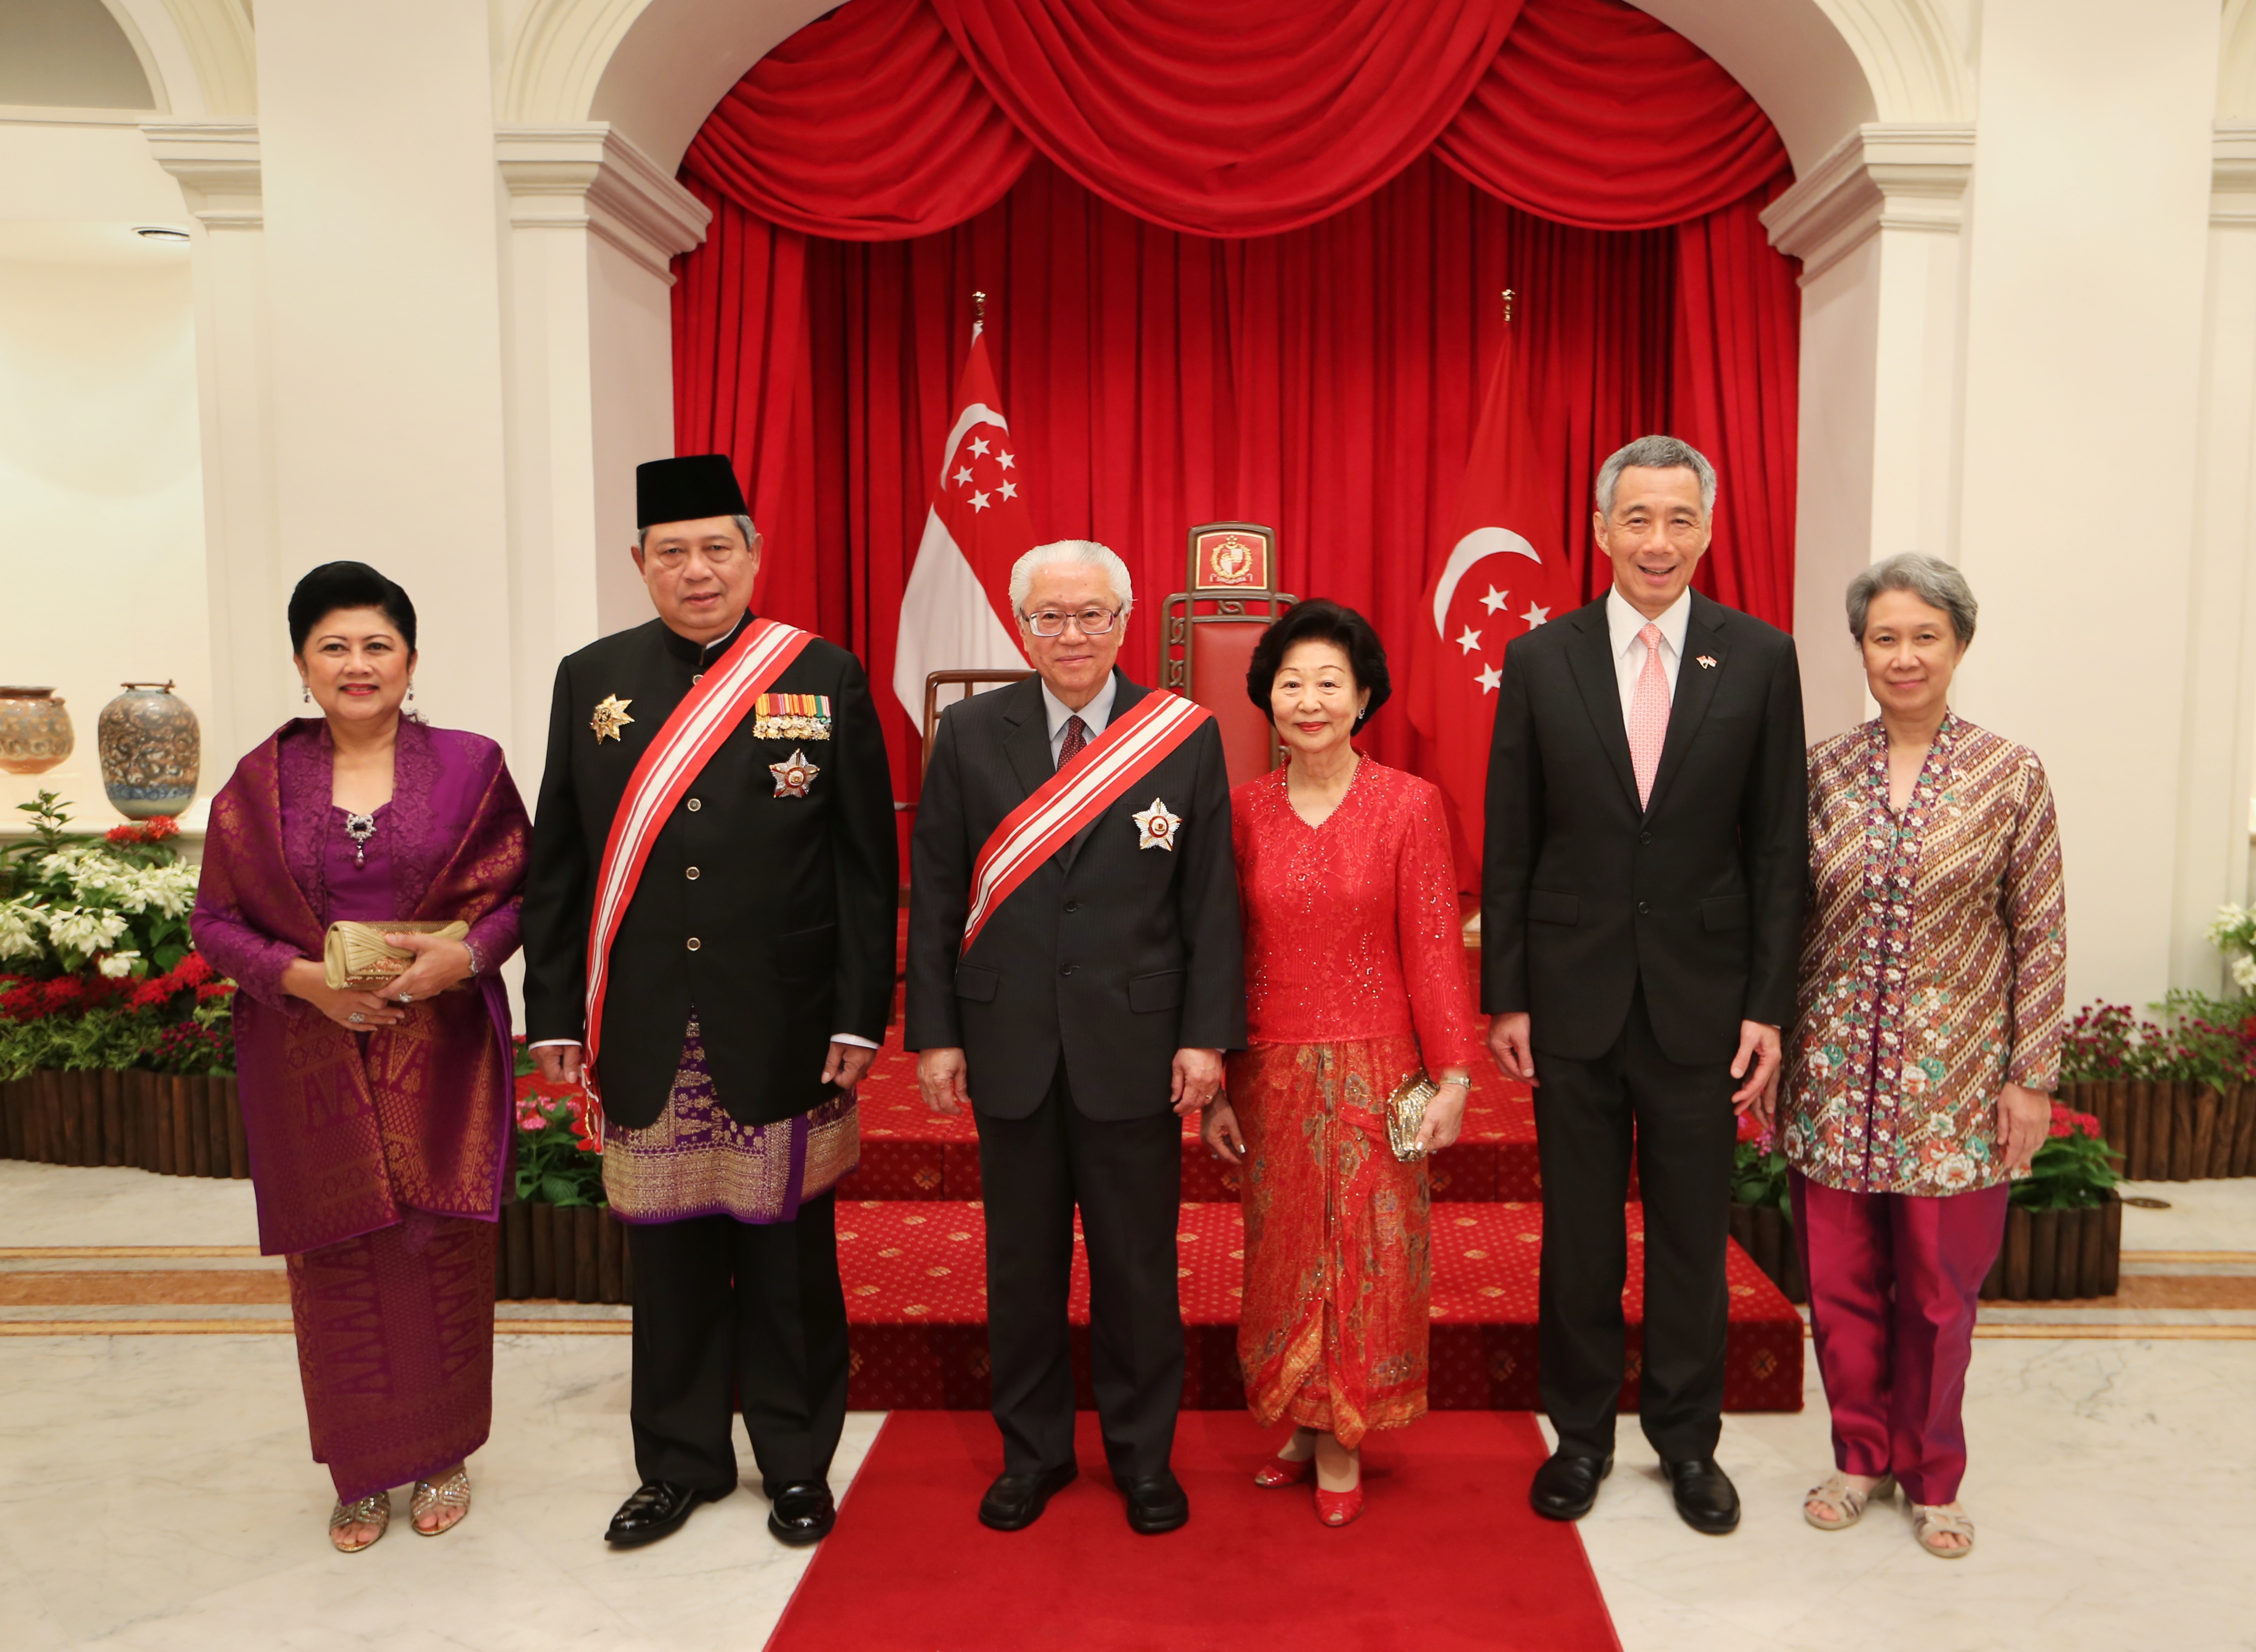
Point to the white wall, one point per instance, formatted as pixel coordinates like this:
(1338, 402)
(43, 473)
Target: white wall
(102, 557)
(2089, 228)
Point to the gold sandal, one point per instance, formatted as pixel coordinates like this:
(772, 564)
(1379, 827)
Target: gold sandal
(1843, 1502)
(1929, 1521)
(429, 1497)
(375, 1509)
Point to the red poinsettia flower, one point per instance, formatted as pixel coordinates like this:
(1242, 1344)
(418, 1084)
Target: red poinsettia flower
(194, 971)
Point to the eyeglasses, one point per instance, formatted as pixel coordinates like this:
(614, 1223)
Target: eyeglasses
(673, 557)
(1092, 622)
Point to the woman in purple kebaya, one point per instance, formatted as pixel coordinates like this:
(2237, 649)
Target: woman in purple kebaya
(378, 1122)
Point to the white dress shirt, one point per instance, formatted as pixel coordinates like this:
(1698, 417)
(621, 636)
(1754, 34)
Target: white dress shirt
(1623, 622)
(1093, 715)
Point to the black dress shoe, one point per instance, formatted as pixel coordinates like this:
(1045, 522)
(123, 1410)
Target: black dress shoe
(801, 1512)
(657, 1509)
(1705, 1495)
(1016, 1501)
(1567, 1484)
(1156, 1502)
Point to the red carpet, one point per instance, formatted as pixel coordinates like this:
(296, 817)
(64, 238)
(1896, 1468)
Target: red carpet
(1446, 1554)
(914, 1273)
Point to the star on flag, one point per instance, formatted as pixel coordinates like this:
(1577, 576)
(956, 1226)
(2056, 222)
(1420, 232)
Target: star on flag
(1495, 599)
(1535, 616)
(1470, 640)
(1489, 679)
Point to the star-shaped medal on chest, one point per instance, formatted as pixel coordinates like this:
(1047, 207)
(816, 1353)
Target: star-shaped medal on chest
(1155, 827)
(793, 775)
(610, 717)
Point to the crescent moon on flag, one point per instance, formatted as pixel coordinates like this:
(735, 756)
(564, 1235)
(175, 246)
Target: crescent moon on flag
(1480, 543)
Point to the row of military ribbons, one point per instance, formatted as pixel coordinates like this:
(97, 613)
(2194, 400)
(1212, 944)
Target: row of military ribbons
(193, 1126)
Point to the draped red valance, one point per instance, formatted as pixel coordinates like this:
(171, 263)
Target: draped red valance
(892, 118)
(1243, 257)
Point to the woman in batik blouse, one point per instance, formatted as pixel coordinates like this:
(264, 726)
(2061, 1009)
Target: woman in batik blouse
(1926, 1043)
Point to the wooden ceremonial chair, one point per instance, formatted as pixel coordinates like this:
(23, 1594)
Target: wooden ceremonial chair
(1208, 632)
(971, 682)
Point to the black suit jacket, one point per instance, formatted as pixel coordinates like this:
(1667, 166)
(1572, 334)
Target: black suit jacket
(1699, 895)
(793, 900)
(1115, 955)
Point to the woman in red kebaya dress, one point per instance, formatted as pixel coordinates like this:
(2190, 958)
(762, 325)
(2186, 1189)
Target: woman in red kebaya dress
(1354, 980)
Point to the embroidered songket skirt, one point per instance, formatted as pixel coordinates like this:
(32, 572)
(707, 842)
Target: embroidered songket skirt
(696, 1161)
(1332, 1331)
(395, 1349)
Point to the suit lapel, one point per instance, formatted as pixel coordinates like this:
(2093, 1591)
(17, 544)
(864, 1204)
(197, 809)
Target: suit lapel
(1124, 696)
(1696, 690)
(1026, 745)
(1591, 658)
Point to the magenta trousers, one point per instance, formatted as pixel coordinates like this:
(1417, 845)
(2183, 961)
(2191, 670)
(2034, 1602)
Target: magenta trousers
(1894, 1279)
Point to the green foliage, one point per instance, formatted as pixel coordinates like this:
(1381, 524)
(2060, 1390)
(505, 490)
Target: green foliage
(1758, 1176)
(556, 1163)
(97, 1041)
(2071, 1172)
(2196, 1038)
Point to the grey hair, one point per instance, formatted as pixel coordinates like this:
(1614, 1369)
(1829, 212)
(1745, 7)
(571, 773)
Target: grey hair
(1929, 578)
(1657, 452)
(1075, 553)
(743, 526)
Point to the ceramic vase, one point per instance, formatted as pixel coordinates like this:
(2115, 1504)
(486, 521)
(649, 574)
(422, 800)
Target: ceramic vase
(35, 730)
(151, 750)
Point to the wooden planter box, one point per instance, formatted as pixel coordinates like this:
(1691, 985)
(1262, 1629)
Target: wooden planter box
(2058, 1255)
(2047, 1255)
(153, 1121)
(1765, 1234)
(2173, 1132)
(564, 1253)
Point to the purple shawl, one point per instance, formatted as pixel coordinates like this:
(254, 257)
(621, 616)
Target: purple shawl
(349, 1132)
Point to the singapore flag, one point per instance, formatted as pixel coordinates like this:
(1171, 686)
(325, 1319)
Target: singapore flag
(956, 608)
(1493, 585)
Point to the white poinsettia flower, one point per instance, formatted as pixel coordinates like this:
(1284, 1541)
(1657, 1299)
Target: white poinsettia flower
(20, 929)
(119, 966)
(2243, 972)
(84, 930)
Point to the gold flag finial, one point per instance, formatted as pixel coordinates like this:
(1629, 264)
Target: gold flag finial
(1507, 304)
(979, 309)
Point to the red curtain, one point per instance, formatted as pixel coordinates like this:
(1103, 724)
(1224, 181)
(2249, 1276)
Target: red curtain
(1324, 380)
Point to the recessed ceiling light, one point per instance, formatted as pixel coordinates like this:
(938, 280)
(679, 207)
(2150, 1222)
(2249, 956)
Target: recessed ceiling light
(159, 232)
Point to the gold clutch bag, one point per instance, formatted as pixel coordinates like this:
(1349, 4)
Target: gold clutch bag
(1406, 1111)
(356, 955)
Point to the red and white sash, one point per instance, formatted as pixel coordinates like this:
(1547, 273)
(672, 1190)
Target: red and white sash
(676, 756)
(1130, 747)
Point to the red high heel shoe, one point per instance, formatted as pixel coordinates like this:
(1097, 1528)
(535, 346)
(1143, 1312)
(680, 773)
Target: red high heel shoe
(1338, 1508)
(1279, 1472)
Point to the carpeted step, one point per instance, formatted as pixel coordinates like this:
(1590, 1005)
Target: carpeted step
(914, 1272)
(910, 1152)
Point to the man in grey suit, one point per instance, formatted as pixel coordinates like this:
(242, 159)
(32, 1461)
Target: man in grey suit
(1086, 1015)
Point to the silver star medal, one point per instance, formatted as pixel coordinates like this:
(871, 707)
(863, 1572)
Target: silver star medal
(1155, 827)
(793, 775)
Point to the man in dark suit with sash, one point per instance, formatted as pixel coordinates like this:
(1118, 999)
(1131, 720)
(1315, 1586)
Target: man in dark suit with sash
(710, 921)
(1641, 919)
(1075, 971)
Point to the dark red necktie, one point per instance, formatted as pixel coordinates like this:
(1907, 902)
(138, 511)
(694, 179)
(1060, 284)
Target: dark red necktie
(1076, 735)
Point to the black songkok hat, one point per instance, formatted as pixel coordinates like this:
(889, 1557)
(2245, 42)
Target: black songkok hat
(686, 489)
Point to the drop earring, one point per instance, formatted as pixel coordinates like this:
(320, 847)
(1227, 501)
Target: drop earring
(306, 694)
(411, 693)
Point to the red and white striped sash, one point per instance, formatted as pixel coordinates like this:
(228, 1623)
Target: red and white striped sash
(1130, 747)
(676, 756)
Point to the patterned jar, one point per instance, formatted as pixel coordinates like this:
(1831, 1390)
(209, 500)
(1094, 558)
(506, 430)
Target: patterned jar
(35, 730)
(151, 750)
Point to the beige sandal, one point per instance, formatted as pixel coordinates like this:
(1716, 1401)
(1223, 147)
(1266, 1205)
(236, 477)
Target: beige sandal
(1928, 1522)
(430, 1497)
(374, 1510)
(1836, 1505)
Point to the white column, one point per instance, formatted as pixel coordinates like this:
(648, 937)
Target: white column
(252, 686)
(594, 224)
(383, 216)
(2088, 251)
(1877, 226)
(2217, 751)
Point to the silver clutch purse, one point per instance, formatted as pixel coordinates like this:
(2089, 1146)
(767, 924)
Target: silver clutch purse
(1406, 1111)
(357, 955)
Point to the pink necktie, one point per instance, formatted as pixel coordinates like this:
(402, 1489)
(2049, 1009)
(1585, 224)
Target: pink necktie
(1648, 715)
(1076, 735)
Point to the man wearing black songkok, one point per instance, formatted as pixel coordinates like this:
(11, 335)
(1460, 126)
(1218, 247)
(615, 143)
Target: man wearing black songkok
(742, 976)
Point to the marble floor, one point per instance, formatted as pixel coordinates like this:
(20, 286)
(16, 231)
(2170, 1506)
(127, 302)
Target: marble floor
(154, 1488)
